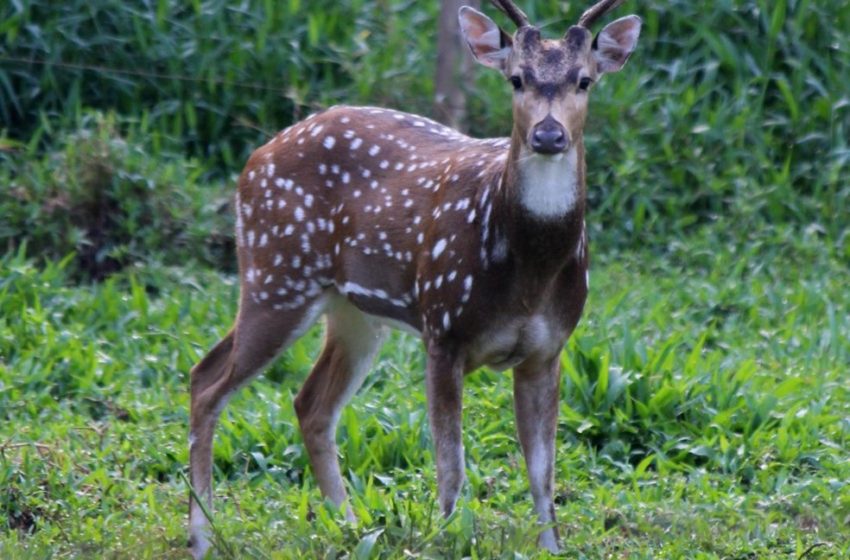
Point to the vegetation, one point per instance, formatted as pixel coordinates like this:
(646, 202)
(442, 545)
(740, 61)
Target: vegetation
(705, 407)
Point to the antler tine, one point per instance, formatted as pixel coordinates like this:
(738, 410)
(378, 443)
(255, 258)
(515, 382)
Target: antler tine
(596, 11)
(510, 9)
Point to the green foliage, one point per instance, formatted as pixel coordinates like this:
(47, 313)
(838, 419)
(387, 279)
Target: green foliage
(693, 405)
(734, 112)
(738, 111)
(104, 197)
(213, 76)
(704, 400)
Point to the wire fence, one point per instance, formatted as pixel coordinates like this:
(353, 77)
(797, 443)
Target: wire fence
(138, 73)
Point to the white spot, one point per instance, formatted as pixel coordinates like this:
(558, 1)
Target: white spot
(264, 240)
(251, 238)
(289, 229)
(240, 241)
(446, 321)
(323, 169)
(356, 143)
(299, 214)
(329, 142)
(308, 200)
(438, 249)
(374, 150)
(350, 288)
(384, 164)
(500, 248)
(346, 177)
(270, 170)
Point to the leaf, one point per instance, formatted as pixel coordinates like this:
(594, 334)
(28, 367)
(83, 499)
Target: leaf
(363, 550)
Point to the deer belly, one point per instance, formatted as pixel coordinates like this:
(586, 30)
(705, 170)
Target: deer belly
(510, 344)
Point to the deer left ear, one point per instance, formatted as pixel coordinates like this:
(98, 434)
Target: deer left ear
(489, 44)
(616, 43)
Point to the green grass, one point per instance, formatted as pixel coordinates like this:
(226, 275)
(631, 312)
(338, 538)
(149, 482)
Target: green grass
(704, 415)
(705, 403)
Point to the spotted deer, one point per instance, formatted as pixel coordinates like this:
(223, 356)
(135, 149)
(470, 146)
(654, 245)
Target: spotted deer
(374, 217)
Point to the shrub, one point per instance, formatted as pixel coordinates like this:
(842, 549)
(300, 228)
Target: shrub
(107, 199)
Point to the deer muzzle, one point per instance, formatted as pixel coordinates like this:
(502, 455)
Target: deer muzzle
(549, 137)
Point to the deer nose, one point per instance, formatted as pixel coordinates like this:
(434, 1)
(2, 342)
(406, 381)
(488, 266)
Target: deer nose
(548, 137)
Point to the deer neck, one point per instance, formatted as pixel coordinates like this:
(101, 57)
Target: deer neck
(546, 188)
(539, 208)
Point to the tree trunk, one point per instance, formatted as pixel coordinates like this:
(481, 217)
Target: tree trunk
(454, 63)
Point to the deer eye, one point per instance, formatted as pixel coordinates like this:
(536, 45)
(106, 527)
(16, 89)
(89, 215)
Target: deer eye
(516, 81)
(584, 83)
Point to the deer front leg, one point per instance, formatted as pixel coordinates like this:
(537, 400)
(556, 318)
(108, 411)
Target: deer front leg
(444, 386)
(536, 402)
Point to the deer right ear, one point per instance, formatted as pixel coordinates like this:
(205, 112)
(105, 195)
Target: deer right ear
(489, 44)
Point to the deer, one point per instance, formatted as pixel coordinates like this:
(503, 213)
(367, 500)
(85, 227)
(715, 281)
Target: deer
(377, 219)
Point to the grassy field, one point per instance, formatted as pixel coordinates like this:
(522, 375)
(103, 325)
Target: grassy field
(705, 414)
(705, 407)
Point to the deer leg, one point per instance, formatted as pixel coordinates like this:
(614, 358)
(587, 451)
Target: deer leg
(258, 336)
(444, 386)
(536, 402)
(351, 341)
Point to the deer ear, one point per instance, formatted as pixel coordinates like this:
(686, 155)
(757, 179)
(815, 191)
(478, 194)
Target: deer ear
(616, 43)
(490, 45)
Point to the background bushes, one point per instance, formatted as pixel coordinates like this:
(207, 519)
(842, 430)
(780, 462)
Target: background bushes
(737, 112)
(105, 198)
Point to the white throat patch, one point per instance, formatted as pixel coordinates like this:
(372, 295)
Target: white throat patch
(549, 184)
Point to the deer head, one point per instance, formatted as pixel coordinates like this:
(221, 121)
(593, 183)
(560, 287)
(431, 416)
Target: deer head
(551, 78)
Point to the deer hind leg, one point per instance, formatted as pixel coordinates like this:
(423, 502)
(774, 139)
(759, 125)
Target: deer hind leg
(536, 402)
(259, 334)
(351, 342)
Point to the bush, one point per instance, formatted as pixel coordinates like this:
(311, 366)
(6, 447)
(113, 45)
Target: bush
(737, 111)
(107, 199)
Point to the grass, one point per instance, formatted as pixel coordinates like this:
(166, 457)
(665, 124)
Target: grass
(704, 415)
(705, 410)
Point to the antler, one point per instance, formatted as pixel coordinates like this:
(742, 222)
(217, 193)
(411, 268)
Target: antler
(510, 9)
(596, 11)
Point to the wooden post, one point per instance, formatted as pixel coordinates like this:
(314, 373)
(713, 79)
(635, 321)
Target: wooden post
(454, 65)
